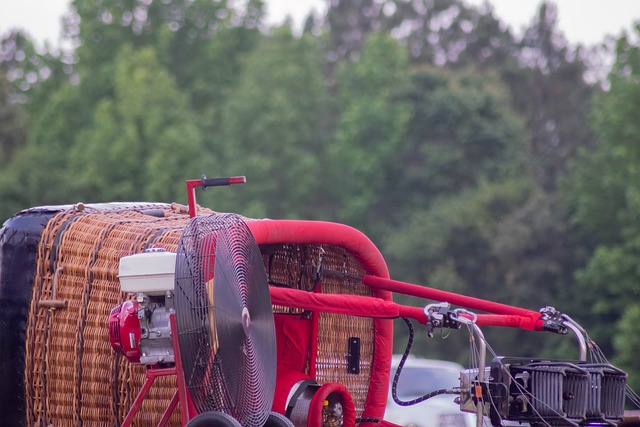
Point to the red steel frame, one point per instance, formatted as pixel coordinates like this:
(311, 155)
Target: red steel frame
(379, 307)
(203, 182)
(338, 304)
(180, 397)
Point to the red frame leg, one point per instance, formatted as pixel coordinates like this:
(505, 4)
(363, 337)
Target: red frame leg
(180, 397)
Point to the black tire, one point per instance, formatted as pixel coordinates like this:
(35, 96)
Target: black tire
(213, 419)
(276, 419)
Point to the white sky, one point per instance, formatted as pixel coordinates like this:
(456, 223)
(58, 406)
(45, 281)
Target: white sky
(582, 21)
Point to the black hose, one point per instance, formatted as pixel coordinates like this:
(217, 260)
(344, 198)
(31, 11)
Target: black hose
(394, 385)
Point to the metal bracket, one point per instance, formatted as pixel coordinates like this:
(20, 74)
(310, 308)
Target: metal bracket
(553, 321)
(439, 315)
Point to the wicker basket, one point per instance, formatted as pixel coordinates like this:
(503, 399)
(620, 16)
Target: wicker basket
(73, 377)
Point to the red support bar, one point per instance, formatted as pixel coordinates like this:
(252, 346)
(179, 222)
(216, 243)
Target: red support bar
(180, 397)
(187, 409)
(530, 323)
(450, 297)
(169, 411)
(356, 305)
(138, 402)
(313, 351)
(151, 375)
(191, 195)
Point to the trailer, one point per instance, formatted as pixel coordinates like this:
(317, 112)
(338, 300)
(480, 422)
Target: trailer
(155, 314)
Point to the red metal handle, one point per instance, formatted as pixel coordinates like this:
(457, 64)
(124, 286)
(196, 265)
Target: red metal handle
(205, 182)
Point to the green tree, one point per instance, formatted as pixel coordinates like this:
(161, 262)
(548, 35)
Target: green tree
(35, 73)
(627, 341)
(40, 113)
(605, 196)
(275, 129)
(39, 172)
(13, 132)
(199, 42)
(142, 142)
(373, 115)
(348, 24)
(465, 213)
(548, 89)
(459, 133)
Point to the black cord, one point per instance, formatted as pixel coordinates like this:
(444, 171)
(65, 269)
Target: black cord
(394, 386)
(367, 420)
(425, 397)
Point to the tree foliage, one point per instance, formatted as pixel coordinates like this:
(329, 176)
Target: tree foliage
(428, 124)
(373, 115)
(13, 119)
(129, 151)
(274, 128)
(605, 195)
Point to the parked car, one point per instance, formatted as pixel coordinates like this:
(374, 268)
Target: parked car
(419, 377)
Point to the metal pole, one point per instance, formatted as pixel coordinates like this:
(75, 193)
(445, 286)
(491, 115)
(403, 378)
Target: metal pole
(582, 341)
(481, 377)
(471, 320)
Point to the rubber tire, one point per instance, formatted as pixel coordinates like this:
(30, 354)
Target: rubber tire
(213, 419)
(276, 419)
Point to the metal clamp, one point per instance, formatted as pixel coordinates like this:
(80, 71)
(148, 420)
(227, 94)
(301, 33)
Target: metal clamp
(553, 321)
(439, 315)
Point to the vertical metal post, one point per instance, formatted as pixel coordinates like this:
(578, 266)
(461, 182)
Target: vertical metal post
(187, 409)
(481, 378)
(191, 195)
(466, 317)
(582, 341)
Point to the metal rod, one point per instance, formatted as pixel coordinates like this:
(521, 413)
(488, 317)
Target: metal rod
(191, 195)
(52, 304)
(481, 367)
(450, 297)
(582, 341)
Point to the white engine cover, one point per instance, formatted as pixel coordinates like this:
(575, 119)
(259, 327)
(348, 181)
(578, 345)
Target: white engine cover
(152, 273)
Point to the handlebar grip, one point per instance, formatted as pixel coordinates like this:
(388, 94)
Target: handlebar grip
(217, 182)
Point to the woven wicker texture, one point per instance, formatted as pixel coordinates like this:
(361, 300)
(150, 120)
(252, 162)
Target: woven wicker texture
(73, 377)
(329, 269)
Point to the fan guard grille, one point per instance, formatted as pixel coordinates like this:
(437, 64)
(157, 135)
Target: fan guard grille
(225, 326)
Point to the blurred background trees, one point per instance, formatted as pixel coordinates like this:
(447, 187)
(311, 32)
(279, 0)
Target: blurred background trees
(479, 161)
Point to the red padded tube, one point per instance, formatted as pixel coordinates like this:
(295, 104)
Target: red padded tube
(292, 231)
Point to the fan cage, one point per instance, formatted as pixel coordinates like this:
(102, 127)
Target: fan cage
(225, 320)
(197, 334)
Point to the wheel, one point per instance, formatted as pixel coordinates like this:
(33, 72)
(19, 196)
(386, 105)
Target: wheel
(276, 419)
(213, 419)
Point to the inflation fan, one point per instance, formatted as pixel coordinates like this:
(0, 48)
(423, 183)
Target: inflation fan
(224, 318)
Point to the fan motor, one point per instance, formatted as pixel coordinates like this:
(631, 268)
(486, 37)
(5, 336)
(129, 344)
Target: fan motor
(124, 330)
(140, 329)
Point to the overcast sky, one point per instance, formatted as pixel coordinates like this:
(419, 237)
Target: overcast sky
(582, 21)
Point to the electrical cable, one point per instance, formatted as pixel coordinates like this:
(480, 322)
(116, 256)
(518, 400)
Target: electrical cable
(394, 385)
